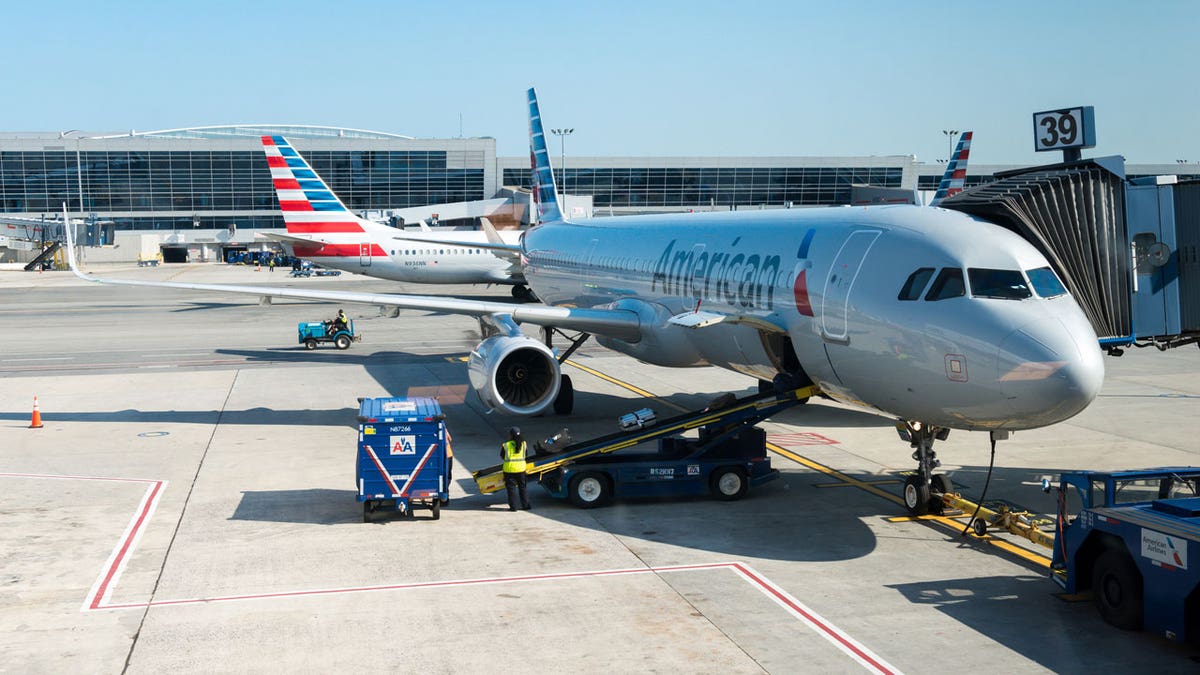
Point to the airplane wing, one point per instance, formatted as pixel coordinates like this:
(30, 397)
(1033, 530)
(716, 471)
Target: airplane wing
(620, 324)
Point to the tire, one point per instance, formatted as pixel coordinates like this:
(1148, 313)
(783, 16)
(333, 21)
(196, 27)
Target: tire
(916, 496)
(728, 483)
(590, 489)
(979, 527)
(436, 508)
(342, 341)
(564, 403)
(1117, 585)
(310, 344)
(941, 484)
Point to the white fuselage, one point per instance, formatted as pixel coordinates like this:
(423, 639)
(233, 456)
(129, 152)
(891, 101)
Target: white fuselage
(377, 253)
(829, 281)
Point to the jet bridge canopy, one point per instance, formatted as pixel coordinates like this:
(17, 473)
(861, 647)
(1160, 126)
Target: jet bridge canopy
(1074, 213)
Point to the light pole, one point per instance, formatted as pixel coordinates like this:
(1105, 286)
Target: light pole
(562, 140)
(950, 133)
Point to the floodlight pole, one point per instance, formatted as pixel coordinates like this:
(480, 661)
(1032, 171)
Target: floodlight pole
(950, 133)
(562, 140)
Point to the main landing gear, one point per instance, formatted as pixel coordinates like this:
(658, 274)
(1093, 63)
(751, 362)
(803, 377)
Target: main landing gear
(923, 491)
(564, 404)
(521, 292)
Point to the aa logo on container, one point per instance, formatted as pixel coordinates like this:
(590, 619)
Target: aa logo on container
(403, 445)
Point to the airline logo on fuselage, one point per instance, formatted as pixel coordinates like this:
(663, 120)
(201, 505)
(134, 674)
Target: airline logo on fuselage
(732, 277)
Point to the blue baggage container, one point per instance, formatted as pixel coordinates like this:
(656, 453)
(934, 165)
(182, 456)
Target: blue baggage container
(404, 456)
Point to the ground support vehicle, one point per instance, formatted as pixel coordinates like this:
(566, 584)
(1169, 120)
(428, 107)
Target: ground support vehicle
(312, 333)
(404, 456)
(727, 458)
(1129, 544)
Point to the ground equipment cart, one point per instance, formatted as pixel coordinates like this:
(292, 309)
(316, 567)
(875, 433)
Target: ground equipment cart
(404, 458)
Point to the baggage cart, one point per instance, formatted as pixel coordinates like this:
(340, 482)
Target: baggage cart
(404, 460)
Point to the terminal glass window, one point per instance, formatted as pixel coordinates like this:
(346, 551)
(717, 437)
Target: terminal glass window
(949, 284)
(1002, 284)
(716, 186)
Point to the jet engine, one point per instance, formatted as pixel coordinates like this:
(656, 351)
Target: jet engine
(514, 374)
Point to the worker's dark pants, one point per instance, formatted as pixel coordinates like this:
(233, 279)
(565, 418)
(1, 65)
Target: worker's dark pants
(514, 483)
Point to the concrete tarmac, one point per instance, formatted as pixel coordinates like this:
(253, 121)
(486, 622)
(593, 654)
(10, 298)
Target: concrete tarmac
(189, 506)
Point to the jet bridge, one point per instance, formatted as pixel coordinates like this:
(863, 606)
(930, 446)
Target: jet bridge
(1126, 250)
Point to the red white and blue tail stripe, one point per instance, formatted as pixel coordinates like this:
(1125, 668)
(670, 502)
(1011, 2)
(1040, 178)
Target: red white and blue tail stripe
(956, 171)
(307, 203)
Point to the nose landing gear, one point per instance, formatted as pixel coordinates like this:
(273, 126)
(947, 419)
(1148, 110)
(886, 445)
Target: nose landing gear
(923, 490)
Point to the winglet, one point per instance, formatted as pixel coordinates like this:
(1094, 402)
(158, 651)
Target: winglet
(956, 170)
(545, 195)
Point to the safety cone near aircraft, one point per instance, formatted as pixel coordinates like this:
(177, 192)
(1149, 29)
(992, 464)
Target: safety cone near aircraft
(36, 422)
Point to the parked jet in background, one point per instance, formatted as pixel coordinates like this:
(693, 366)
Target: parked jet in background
(321, 229)
(933, 317)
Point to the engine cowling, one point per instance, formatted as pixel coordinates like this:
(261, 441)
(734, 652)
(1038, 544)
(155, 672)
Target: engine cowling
(515, 375)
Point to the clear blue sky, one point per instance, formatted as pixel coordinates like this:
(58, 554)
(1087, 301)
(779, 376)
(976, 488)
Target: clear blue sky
(633, 78)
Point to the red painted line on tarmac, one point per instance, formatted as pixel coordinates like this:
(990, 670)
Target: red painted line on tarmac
(108, 577)
(827, 630)
(115, 564)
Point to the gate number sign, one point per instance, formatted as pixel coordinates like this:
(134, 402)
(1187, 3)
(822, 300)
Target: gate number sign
(1064, 129)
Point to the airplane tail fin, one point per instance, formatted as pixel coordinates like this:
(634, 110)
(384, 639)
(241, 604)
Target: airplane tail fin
(309, 207)
(956, 170)
(545, 195)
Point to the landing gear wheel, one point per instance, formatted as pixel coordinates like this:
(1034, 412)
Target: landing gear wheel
(942, 484)
(310, 344)
(728, 483)
(589, 490)
(564, 403)
(342, 342)
(979, 527)
(436, 509)
(916, 496)
(1117, 586)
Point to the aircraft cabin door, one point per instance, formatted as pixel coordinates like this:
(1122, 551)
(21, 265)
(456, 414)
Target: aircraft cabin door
(364, 254)
(835, 300)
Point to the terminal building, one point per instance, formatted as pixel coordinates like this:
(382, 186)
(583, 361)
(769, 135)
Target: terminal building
(196, 193)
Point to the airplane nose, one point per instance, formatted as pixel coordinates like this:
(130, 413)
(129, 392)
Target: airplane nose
(1050, 370)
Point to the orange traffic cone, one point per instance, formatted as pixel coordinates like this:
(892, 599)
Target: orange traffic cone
(36, 422)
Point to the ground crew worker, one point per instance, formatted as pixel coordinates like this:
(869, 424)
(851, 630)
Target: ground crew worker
(512, 452)
(339, 323)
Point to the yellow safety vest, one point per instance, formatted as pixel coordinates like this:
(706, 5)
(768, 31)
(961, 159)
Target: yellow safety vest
(514, 457)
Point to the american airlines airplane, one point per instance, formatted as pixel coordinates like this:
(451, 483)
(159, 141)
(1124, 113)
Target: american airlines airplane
(321, 229)
(932, 317)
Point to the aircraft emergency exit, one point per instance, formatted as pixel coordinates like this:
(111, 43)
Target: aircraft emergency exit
(929, 316)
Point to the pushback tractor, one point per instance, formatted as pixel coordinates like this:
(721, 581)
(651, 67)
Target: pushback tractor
(1129, 544)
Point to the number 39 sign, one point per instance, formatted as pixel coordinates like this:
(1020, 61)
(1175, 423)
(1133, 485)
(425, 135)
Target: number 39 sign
(1064, 129)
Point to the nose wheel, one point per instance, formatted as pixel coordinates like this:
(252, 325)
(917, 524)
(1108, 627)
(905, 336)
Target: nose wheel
(923, 490)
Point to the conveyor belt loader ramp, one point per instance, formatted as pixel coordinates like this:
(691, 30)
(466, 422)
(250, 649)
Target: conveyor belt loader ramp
(743, 412)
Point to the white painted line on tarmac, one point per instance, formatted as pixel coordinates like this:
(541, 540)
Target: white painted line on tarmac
(166, 356)
(44, 358)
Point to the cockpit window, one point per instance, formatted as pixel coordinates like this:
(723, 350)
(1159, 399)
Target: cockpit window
(948, 284)
(915, 284)
(1003, 284)
(1045, 282)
